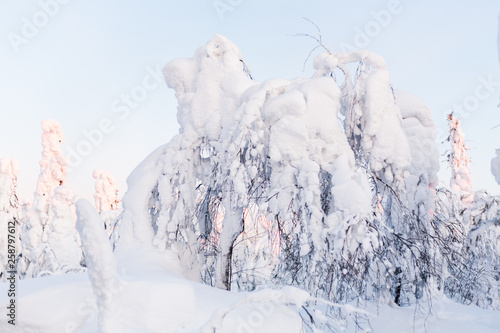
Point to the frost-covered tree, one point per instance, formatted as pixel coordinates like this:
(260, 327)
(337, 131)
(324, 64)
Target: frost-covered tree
(106, 191)
(53, 167)
(461, 180)
(106, 198)
(263, 184)
(475, 274)
(325, 183)
(10, 211)
(63, 252)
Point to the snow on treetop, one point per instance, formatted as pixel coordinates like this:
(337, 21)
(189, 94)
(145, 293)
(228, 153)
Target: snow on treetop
(327, 62)
(53, 127)
(197, 82)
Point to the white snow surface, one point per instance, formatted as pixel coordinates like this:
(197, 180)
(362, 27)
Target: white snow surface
(150, 296)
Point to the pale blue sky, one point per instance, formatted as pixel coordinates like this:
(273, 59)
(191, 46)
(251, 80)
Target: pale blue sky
(91, 52)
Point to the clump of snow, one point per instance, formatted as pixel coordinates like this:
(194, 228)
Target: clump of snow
(101, 264)
(62, 239)
(134, 225)
(420, 132)
(383, 138)
(198, 83)
(498, 38)
(495, 166)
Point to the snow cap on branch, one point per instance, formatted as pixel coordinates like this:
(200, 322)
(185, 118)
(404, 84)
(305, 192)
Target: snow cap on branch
(198, 81)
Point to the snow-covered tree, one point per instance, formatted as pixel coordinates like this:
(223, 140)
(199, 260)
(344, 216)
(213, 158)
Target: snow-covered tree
(106, 198)
(327, 184)
(495, 166)
(10, 212)
(63, 243)
(475, 273)
(269, 166)
(106, 191)
(461, 180)
(53, 167)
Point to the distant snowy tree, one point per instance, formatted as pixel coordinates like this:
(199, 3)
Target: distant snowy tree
(106, 198)
(53, 167)
(498, 38)
(10, 210)
(475, 274)
(64, 247)
(495, 166)
(461, 180)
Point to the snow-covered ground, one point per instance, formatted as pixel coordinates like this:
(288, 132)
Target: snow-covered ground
(152, 296)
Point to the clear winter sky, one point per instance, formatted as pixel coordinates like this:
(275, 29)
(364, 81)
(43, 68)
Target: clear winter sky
(82, 61)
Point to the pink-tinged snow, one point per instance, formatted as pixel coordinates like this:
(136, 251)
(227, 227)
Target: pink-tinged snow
(461, 180)
(151, 295)
(53, 164)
